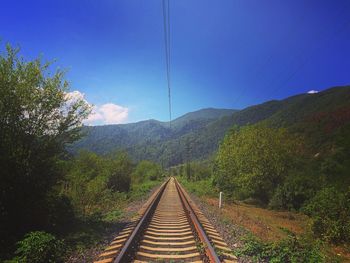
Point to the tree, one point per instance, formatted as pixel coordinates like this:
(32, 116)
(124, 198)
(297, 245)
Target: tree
(92, 182)
(188, 171)
(85, 181)
(196, 171)
(330, 212)
(38, 119)
(121, 170)
(147, 170)
(254, 160)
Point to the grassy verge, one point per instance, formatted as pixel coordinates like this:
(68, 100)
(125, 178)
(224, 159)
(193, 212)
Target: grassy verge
(139, 191)
(293, 248)
(269, 225)
(199, 188)
(84, 236)
(88, 235)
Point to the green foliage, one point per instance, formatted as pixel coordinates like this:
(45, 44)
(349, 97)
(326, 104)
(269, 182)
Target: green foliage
(295, 191)
(113, 215)
(92, 182)
(155, 141)
(40, 247)
(196, 177)
(37, 120)
(293, 249)
(141, 189)
(121, 168)
(100, 208)
(59, 213)
(254, 160)
(336, 165)
(146, 170)
(203, 187)
(330, 211)
(269, 164)
(196, 171)
(188, 171)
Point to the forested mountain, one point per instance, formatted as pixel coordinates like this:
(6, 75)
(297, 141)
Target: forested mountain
(203, 114)
(196, 135)
(149, 139)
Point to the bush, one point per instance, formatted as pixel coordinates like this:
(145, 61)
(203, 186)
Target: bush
(146, 170)
(330, 211)
(294, 192)
(92, 182)
(200, 188)
(119, 178)
(196, 171)
(60, 214)
(290, 249)
(254, 160)
(141, 189)
(113, 216)
(40, 247)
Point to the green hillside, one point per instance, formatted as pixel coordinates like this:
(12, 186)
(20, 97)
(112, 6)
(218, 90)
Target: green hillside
(203, 114)
(196, 135)
(147, 139)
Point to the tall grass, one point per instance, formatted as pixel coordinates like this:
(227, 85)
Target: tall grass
(203, 187)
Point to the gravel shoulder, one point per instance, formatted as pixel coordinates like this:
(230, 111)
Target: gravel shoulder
(230, 232)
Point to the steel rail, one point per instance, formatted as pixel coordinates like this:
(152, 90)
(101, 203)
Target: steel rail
(125, 254)
(209, 250)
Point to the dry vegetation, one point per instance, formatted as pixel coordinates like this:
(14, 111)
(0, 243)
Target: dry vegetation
(270, 225)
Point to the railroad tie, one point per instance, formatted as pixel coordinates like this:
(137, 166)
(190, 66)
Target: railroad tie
(166, 233)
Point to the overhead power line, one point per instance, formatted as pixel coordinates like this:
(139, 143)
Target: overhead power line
(166, 24)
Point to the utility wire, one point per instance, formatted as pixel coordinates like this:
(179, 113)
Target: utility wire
(166, 24)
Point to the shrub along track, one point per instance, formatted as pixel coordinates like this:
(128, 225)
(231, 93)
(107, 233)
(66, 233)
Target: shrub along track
(168, 228)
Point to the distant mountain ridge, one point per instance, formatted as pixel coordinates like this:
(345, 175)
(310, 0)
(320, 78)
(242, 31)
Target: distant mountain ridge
(108, 138)
(203, 114)
(196, 135)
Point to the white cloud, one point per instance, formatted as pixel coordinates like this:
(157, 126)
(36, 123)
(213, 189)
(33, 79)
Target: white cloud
(312, 91)
(108, 113)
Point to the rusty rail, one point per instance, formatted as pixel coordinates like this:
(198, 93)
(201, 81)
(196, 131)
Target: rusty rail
(168, 219)
(125, 254)
(209, 250)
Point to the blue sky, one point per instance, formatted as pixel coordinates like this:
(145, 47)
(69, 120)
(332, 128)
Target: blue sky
(225, 54)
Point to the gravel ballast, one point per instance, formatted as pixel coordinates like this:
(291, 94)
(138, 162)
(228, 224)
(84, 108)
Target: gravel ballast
(231, 233)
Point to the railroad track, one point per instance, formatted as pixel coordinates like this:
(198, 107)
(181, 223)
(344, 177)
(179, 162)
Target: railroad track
(168, 228)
